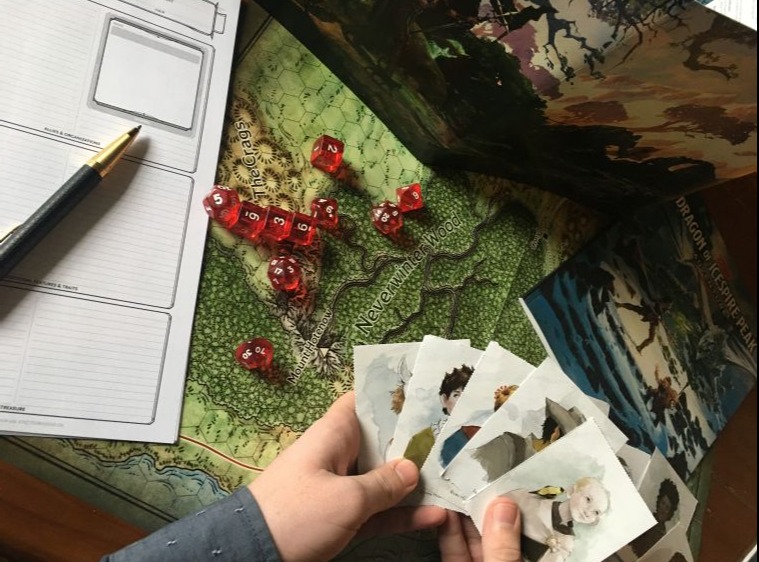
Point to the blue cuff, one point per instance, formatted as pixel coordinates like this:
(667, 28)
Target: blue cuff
(231, 529)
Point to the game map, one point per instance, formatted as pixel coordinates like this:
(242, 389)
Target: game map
(457, 272)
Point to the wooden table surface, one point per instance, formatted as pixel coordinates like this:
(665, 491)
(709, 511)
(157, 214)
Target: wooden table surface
(729, 524)
(38, 522)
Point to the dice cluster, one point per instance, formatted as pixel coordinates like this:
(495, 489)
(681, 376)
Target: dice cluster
(387, 216)
(275, 225)
(271, 224)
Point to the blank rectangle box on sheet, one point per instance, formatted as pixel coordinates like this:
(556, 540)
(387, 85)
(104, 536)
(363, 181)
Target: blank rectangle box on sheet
(150, 75)
(80, 359)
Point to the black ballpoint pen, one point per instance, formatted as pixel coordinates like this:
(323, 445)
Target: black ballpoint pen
(16, 244)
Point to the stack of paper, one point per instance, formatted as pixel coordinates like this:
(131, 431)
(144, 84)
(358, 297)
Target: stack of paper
(95, 322)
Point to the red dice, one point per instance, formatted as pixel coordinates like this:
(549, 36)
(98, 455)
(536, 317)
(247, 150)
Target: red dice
(251, 221)
(324, 211)
(278, 223)
(223, 205)
(303, 230)
(255, 354)
(409, 197)
(327, 154)
(387, 217)
(284, 273)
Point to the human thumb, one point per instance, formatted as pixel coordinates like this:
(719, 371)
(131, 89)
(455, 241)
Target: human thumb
(388, 484)
(501, 532)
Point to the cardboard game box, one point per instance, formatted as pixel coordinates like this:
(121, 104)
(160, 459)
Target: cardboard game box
(609, 104)
(652, 317)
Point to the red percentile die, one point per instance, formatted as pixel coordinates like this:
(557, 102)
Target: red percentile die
(302, 231)
(327, 154)
(223, 205)
(387, 217)
(409, 197)
(255, 354)
(251, 221)
(284, 273)
(324, 211)
(278, 223)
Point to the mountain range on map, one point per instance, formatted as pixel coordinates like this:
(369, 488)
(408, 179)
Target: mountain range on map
(611, 104)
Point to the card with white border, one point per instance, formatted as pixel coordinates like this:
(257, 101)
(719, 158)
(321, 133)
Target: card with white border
(439, 364)
(577, 480)
(380, 374)
(496, 376)
(670, 501)
(674, 547)
(635, 462)
(548, 405)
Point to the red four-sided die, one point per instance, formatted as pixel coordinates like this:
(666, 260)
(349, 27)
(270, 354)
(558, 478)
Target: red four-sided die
(284, 273)
(327, 154)
(222, 205)
(324, 211)
(251, 221)
(387, 217)
(409, 197)
(255, 354)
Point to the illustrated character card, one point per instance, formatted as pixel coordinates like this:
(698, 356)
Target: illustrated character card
(546, 407)
(497, 375)
(671, 503)
(575, 498)
(381, 373)
(441, 371)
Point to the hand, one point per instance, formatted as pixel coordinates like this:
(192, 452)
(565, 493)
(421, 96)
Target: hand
(460, 541)
(314, 508)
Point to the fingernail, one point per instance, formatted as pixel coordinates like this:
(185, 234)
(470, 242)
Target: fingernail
(505, 514)
(407, 472)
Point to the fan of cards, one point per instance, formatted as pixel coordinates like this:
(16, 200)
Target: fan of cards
(480, 424)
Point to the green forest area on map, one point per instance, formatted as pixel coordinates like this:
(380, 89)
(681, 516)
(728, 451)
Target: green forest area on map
(457, 271)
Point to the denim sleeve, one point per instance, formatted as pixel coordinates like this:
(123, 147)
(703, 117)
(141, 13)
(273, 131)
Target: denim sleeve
(229, 530)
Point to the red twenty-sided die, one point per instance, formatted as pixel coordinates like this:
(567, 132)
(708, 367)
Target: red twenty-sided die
(387, 217)
(278, 223)
(324, 212)
(251, 221)
(223, 205)
(303, 230)
(409, 197)
(255, 354)
(284, 273)
(327, 154)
